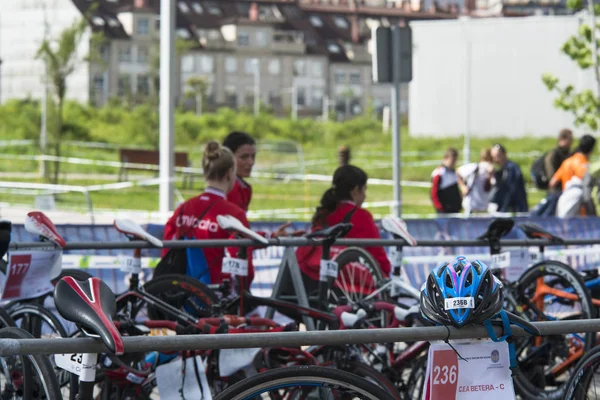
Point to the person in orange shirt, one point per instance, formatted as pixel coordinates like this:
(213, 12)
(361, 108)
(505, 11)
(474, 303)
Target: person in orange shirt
(573, 177)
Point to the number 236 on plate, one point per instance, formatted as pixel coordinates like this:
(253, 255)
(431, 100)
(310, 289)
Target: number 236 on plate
(484, 374)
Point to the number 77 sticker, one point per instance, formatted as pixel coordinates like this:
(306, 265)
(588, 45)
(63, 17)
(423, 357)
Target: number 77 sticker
(444, 375)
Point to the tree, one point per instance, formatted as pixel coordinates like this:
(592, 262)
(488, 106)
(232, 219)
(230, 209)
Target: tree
(197, 91)
(61, 59)
(582, 48)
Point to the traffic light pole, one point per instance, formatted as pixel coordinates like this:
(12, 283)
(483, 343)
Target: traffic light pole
(396, 146)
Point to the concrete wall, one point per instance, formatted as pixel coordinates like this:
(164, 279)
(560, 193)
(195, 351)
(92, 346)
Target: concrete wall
(506, 96)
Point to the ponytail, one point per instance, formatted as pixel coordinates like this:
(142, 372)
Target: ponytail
(345, 179)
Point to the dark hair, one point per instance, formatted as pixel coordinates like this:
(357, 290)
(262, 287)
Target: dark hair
(586, 144)
(500, 148)
(451, 152)
(236, 139)
(345, 178)
(565, 134)
(217, 161)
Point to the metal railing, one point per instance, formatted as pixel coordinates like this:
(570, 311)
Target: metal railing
(9, 347)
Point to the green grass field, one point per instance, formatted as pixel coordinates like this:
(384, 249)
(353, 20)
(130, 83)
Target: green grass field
(373, 154)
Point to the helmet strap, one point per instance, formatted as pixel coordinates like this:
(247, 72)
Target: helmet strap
(507, 336)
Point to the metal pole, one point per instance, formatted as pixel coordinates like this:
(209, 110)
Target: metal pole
(167, 104)
(139, 344)
(467, 143)
(396, 171)
(294, 102)
(256, 86)
(44, 127)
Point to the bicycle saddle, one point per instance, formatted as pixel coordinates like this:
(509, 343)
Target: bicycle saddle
(5, 230)
(333, 232)
(497, 229)
(230, 223)
(37, 223)
(534, 231)
(131, 228)
(397, 227)
(91, 305)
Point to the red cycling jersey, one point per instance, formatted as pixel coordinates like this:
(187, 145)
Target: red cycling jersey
(363, 227)
(241, 194)
(185, 221)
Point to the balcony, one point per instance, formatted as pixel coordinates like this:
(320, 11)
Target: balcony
(289, 42)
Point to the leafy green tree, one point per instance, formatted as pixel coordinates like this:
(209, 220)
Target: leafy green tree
(197, 91)
(61, 59)
(581, 48)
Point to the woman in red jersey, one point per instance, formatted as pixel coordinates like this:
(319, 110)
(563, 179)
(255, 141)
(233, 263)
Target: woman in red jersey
(243, 147)
(197, 217)
(342, 203)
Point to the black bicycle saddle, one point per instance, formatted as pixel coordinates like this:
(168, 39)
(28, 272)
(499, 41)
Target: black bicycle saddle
(497, 229)
(534, 231)
(333, 232)
(91, 305)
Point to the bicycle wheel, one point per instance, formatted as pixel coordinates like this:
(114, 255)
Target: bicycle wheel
(30, 377)
(182, 292)
(372, 375)
(326, 383)
(585, 380)
(359, 275)
(550, 290)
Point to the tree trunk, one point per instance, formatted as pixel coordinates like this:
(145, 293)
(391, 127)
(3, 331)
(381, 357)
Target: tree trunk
(59, 120)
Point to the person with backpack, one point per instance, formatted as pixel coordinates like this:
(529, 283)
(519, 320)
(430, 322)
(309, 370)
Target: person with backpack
(342, 203)
(197, 219)
(445, 192)
(544, 168)
(508, 185)
(475, 181)
(574, 178)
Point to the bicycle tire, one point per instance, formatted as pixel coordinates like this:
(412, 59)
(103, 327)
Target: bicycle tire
(359, 255)
(582, 374)
(366, 371)
(522, 384)
(5, 320)
(312, 376)
(165, 285)
(35, 365)
(40, 312)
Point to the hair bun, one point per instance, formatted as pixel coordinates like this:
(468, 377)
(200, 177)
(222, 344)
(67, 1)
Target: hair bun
(212, 150)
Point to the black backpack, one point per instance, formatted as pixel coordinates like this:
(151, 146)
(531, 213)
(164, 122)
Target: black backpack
(538, 173)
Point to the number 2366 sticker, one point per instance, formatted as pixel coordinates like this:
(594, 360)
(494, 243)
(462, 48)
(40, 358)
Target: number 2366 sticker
(459, 302)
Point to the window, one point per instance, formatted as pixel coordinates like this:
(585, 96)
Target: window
(355, 78)
(274, 66)
(142, 27)
(99, 84)
(299, 68)
(143, 84)
(183, 7)
(301, 96)
(197, 8)
(316, 21)
(113, 22)
(261, 39)
(124, 85)
(340, 77)
(213, 9)
(317, 97)
(206, 64)
(230, 64)
(142, 55)
(187, 63)
(333, 48)
(316, 69)
(98, 21)
(231, 96)
(125, 54)
(183, 33)
(103, 52)
(250, 65)
(340, 22)
(243, 39)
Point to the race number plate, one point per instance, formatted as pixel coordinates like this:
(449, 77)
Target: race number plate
(82, 365)
(459, 302)
(329, 268)
(235, 266)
